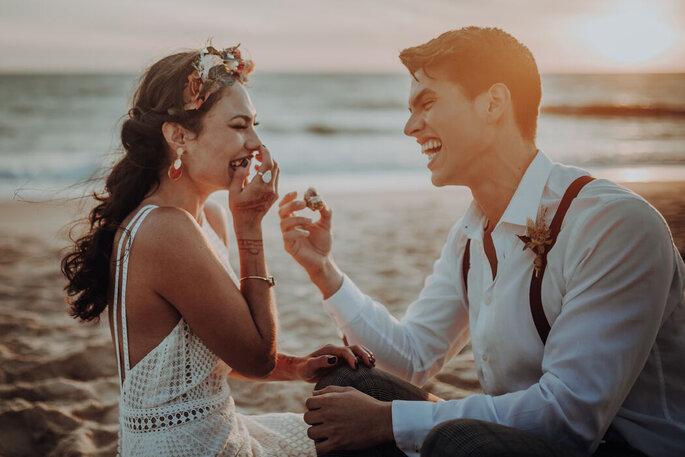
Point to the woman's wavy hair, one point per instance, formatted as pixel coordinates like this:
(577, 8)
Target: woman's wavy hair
(137, 174)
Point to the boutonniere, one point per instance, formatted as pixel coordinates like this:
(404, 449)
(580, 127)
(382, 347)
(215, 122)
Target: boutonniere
(538, 238)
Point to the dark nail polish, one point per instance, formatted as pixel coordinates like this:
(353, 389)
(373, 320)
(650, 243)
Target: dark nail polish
(332, 360)
(372, 359)
(356, 364)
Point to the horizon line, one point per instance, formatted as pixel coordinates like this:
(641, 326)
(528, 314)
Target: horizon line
(325, 72)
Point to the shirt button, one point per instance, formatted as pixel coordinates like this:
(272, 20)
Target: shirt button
(487, 301)
(484, 357)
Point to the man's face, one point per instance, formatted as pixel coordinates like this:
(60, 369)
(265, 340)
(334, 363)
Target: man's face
(450, 128)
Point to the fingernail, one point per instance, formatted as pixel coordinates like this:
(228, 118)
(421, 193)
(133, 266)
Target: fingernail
(332, 360)
(356, 364)
(372, 359)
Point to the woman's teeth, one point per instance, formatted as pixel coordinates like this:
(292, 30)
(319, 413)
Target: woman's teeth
(244, 162)
(431, 148)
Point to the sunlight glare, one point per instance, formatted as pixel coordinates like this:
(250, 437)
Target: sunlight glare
(632, 32)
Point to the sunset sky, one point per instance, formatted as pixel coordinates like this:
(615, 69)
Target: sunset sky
(330, 35)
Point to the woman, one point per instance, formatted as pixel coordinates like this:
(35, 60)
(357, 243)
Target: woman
(156, 258)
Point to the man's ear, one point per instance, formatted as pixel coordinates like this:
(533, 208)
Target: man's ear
(499, 100)
(175, 135)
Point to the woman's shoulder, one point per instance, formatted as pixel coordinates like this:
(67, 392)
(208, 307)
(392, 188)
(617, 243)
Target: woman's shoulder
(168, 226)
(217, 217)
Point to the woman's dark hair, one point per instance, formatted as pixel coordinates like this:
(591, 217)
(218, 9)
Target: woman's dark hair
(131, 179)
(478, 57)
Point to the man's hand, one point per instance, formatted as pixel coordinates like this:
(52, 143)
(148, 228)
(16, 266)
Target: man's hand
(310, 243)
(307, 241)
(343, 418)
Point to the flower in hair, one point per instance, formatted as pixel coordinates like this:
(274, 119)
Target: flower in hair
(192, 92)
(206, 63)
(214, 70)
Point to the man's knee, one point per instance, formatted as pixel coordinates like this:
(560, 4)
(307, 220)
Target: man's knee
(345, 376)
(373, 382)
(445, 439)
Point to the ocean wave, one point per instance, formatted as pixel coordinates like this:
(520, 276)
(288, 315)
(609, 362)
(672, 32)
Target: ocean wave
(7, 131)
(372, 105)
(634, 160)
(615, 110)
(326, 129)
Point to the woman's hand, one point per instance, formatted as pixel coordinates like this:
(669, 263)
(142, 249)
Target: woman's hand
(249, 201)
(313, 366)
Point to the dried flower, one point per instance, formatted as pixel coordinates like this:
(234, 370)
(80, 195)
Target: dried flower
(214, 69)
(538, 237)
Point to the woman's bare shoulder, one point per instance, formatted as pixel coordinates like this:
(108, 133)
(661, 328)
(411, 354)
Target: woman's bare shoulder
(218, 219)
(175, 254)
(169, 227)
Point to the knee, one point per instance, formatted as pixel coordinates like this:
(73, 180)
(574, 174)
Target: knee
(452, 438)
(345, 376)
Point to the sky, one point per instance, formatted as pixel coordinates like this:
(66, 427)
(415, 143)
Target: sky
(583, 36)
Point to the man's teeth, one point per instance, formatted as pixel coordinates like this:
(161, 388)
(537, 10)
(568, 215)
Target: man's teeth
(431, 148)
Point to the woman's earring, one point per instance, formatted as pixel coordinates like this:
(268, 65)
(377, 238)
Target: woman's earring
(176, 170)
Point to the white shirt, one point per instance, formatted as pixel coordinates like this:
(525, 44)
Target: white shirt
(612, 292)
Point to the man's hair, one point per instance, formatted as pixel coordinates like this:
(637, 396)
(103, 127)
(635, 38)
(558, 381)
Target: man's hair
(478, 57)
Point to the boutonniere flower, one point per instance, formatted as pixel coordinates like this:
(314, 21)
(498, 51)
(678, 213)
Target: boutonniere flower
(538, 238)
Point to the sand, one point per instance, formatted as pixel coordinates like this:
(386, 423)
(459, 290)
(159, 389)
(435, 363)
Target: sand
(58, 386)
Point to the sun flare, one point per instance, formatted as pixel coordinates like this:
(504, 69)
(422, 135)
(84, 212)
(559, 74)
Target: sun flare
(632, 32)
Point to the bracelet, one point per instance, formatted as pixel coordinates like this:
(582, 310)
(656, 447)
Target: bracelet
(269, 279)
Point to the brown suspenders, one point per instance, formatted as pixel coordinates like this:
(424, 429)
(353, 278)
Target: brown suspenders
(536, 309)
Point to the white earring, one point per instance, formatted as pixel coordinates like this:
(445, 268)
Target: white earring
(175, 170)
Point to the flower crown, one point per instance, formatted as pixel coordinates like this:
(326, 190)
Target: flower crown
(214, 70)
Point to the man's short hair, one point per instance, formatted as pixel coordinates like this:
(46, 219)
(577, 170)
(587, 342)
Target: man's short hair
(478, 57)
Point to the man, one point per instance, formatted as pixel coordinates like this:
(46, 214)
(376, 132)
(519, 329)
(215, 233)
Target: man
(576, 317)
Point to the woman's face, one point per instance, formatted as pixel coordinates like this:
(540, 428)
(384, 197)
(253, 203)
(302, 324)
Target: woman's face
(228, 136)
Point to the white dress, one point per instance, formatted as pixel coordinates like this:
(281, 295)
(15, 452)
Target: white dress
(177, 402)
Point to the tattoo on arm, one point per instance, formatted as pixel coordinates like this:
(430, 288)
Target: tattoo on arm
(253, 247)
(260, 204)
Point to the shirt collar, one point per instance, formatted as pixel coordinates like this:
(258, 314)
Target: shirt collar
(526, 200)
(524, 204)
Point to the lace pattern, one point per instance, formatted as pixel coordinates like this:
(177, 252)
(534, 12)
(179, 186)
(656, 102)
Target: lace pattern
(176, 401)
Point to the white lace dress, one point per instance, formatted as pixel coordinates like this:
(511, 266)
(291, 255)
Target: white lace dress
(177, 402)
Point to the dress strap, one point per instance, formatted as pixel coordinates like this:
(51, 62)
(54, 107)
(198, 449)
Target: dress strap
(129, 232)
(538, 313)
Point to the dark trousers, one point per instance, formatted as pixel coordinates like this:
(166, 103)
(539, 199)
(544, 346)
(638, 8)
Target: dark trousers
(455, 438)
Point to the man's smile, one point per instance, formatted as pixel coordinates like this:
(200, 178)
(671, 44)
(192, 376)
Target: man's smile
(431, 147)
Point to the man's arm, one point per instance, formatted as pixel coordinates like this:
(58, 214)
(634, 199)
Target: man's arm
(619, 265)
(432, 330)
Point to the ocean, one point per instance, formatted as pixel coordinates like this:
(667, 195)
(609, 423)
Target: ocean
(337, 131)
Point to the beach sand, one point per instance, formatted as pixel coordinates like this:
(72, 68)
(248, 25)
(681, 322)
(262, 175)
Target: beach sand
(58, 386)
